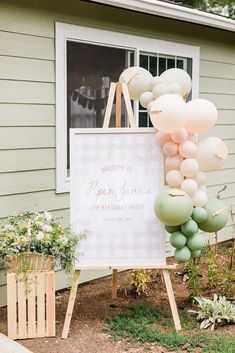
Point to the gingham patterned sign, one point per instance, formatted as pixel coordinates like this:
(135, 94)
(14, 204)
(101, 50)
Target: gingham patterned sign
(116, 175)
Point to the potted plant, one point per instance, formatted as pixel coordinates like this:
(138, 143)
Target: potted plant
(36, 242)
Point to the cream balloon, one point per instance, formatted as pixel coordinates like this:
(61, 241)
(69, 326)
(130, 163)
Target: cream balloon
(146, 98)
(192, 137)
(188, 149)
(168, 113)
(179, 136)
(211, 153)
(130, 72)
(199, 199)
(189, 167)
(203, 188)
(159, 90)
(200, 178)
(189, 185)
(139, 84)
(156, 80)
(180, 77)
(170, 149)
(201, 115)
(150, 106)
(174, 178)
(162, 138)
(173, 162)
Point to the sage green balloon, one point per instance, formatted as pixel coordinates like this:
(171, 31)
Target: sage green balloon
(172, 229)
(182, 255)
(173, 207)
(196, 253)
(189, 228)
(199, 214)
(195, 242)
(178, 240)
(217, 216)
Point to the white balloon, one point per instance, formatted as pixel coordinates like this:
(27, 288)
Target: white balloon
(189, 186)
(155, 81)
(211, 153)
(199, 199)
(168, 114)
(139, 84)
(188, 149)
(146, 98)
(149, 106)
(202, 115)
(159, 90)
(174, 88)
(200, 178)
(174, 178)
(130, 72)
(179, 76)
(189, 167)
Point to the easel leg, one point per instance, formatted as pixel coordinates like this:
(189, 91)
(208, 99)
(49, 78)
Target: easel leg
(171, 298)
(72, 298)
(114, 284)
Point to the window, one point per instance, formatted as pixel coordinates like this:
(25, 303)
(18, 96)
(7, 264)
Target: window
(87, 60)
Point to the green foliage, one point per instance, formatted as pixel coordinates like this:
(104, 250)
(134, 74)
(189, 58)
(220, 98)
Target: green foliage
(139, 280)
(194, 279)
(215, 312)
(140, 323)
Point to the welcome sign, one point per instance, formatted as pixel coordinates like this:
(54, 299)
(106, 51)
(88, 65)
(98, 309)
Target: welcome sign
(116, 175)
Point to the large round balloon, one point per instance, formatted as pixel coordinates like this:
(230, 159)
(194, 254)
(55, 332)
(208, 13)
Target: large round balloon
(139, 84)
(178, 240)
(130, 72)
(180, 77)
(167, 113)
(195, 242)
(173, 207)
(201, 114)
(182, 255)
(211, 153)
(217, 216)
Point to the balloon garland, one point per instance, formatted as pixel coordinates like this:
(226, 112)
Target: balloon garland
(183, 206)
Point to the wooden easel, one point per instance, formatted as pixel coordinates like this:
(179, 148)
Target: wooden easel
(119, 89)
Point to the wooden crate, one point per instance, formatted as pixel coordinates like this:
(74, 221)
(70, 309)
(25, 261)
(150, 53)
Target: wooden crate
(31, 305)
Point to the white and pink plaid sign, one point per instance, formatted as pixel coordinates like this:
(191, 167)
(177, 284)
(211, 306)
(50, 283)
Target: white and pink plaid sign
(115, 176)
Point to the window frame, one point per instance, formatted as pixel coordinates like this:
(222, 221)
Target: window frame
(103, 37)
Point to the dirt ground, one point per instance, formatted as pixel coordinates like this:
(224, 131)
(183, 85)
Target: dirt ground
(92, 308)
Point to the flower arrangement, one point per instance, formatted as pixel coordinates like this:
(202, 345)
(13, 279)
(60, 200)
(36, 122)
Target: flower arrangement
(38, 233)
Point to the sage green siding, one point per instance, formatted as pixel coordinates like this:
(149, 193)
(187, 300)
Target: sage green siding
(27, 96)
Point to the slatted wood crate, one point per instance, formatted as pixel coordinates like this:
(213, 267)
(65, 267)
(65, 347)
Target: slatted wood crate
(31, 305)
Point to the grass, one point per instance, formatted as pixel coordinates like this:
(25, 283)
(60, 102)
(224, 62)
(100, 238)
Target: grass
(144, 322)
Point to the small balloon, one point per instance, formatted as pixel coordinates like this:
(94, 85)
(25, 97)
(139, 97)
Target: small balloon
(189, 228)
(167, 113)
(200, 178)
(189, 167)
(179, 136)
(188, 149)
(173, 162)
(211, 153)
(146, 98)
(149, 106)
(156, 80)
(170, 149)
(203, 188)
(202, 115)
(182, 255)
(192, 137)
(181, 77)
(195, 253)
(195, 242)
(174, 178)
(139, 84)
(172, 229)
(189, 185)
(159, 90)
(199, 199)
(162, 138)
(199, 214)
(178, 240)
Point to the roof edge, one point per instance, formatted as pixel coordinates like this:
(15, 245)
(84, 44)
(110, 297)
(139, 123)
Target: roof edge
(174, 11)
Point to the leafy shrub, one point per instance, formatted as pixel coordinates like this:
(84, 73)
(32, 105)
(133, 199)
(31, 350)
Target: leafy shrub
(139, 280)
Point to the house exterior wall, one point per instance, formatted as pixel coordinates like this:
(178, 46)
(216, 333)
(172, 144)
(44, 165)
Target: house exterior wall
(27, 97)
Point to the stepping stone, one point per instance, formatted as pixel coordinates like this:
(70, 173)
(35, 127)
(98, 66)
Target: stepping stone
(9, 346)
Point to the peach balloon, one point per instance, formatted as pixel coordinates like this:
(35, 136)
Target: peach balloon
(212, 153)
(179, 136)
(201, 115)
(192, 137)
(199, 199)
(188, 149)
(174, 178)
(170, 149)
(167, 113)
(162, 138)
(173, 162)
(200, 177)
(189, 167)
(189, 186)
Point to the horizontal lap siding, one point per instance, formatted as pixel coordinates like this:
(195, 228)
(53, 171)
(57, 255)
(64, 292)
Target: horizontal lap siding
(27, 98)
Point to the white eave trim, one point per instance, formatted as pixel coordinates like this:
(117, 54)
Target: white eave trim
(177, 12)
